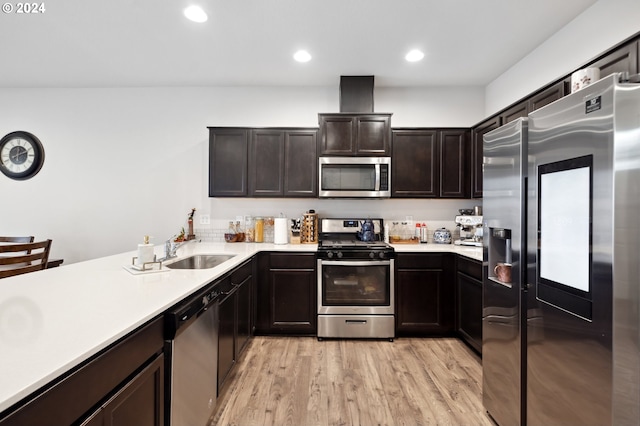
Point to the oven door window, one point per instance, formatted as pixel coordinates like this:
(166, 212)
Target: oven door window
(356, 283)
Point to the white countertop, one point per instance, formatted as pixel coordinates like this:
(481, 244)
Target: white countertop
(50, 321)
(467, 251)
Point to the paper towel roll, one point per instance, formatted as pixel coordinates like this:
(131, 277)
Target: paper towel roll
(280, 231)
(145, 254)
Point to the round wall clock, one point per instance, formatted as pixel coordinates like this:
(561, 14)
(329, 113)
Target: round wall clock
(21, 155)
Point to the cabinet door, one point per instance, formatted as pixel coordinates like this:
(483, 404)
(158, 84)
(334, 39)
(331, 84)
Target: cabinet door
(516, 111)
(476, 153)
(373, 135)
(300, 164)
(285, 293)
(337, 134)
(226, 337)
(623, 59)
(414, 163)
(228, 149)
(138, 402)
(293, 300)
(469, 318)
(266, 163)
(548, 95)
(425, 294)
(243, 333)
(453, 149)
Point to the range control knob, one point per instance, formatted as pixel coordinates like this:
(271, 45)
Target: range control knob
(339, 255)
(381, 255)
(330, 254)
(372, 254)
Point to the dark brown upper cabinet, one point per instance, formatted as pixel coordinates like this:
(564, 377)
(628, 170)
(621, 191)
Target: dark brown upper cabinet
(549, 95)
(454, 147)
(300, 163)
(429, 163)
(516, 111)
(414, 163)
(477, 136)
(355, 134)
(269, 162)
(622, 59)
(266, 163)
(228, 149)
(282, 163)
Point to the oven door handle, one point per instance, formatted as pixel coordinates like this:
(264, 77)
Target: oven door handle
(355, 262)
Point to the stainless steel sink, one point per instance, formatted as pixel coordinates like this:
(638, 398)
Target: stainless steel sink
(200, 261)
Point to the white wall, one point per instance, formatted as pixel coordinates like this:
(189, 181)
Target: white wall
(122, 163)
(603, 25)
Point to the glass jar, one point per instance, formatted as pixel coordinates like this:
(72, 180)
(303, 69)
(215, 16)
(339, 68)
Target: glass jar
(249, 231)
(231, 236)
(268, 229)
(239, 232)
(259, 230)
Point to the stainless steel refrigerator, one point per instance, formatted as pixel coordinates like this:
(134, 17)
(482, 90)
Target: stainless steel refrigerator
(561, 341)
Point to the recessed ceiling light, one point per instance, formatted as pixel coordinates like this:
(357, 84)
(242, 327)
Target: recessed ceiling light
(302, 56)
(414, 56)
(196, 14)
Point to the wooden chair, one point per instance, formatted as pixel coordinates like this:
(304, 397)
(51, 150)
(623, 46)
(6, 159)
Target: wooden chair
(21, 258)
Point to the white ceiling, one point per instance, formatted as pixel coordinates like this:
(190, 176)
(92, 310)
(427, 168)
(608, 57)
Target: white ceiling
(116, 43)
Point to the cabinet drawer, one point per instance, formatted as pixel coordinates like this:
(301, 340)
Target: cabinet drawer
(292, 261)
(471, 267)
(419, 260)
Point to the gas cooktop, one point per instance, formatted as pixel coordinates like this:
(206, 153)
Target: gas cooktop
(341, 239)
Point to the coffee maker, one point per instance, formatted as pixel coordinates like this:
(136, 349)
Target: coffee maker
(470, 230)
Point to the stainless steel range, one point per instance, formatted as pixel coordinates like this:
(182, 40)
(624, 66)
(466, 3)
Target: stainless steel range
(355, 280)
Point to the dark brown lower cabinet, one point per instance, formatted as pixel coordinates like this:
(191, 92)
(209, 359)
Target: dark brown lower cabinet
(242, 278)
(244, 330)
(425, 293)
(123, 385)
(226, 337)
(469, 302)
(235, 319)
(139, 402)
(286, 294)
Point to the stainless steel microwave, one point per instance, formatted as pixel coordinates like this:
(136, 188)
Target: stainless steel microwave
(354, 177)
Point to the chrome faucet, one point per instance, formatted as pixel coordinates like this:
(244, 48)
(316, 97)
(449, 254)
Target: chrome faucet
(171, 249)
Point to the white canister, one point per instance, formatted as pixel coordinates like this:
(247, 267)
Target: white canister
(280, 230)
(584, 77)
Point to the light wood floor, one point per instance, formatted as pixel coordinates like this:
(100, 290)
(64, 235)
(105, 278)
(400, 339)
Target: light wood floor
(300, 381)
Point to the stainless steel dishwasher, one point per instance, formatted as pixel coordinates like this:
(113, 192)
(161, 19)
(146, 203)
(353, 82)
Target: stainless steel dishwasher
(192, 348)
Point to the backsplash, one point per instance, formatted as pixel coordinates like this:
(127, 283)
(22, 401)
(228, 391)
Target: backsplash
(215, 233)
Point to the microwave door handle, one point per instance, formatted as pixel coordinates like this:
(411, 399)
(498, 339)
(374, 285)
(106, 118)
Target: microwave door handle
(377, 184)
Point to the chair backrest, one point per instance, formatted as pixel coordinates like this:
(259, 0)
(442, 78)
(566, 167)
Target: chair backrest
(20, 258)
(16, 239)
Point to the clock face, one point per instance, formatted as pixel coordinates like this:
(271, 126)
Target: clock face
(21, 155)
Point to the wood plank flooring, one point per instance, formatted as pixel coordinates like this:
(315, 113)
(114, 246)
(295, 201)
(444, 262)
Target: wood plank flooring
(300, 381)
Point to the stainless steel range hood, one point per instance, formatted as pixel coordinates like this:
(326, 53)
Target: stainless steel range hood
(356, 94)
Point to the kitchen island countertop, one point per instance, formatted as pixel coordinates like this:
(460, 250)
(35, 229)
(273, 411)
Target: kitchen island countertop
(53, 320)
